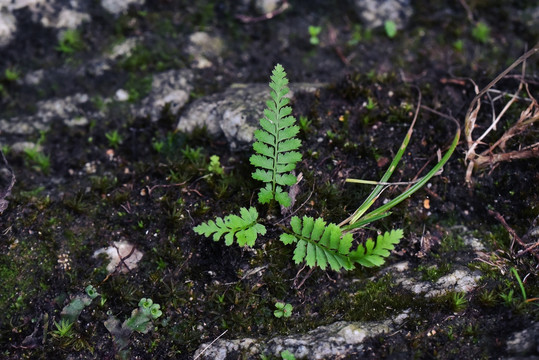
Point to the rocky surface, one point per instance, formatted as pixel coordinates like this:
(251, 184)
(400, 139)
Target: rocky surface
(156, 72)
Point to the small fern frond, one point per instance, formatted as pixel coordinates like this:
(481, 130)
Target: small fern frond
(276, 144)
(319, 244)
(244, 227)
(374, 254)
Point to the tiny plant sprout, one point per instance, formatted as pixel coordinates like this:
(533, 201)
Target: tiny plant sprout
(314, 31)
(391, 28)
(481, 32)
(91, 292)
(282, 309)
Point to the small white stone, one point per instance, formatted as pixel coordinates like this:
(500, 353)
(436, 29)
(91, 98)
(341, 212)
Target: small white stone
(123, 252)
(121, 95)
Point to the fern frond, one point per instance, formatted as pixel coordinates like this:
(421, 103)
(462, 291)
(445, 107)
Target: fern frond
(373, 254)
(276, 143)
(320, 245)
(244, 227)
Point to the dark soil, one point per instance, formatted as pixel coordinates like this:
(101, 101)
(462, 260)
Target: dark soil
(154, 199)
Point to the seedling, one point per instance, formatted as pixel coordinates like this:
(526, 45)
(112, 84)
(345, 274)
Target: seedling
(215, 166)
(508, 299)
(282, 309)
(314, 31)
(114, 138)
(459, 301)
(287, 355)
(70, 42)
(370, 104)
(12, 74)
(391, 28)
(63, 329)
(481, 32)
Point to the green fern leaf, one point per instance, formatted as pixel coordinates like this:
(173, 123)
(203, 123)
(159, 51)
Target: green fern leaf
(320, 244)
(315, 246)
(244, 228)
(276, 143)
(374, 254)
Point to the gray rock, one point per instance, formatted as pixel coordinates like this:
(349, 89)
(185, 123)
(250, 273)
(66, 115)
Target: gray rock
(119, 6)
(374, 13)
(460, 280)
(172, 87)
(8, 27)
(67, 110)
(525, 342)
(234, 113)
(205, 48)
(325, 342)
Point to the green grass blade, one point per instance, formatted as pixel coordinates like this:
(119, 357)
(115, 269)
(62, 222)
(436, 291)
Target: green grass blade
(374, 215)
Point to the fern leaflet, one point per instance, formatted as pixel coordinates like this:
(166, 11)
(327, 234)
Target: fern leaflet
(276, 144)
(319, 244)
(244, 227)
(373, 254)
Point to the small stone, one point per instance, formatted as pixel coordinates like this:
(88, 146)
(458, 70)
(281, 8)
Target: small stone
(121, 95)
(8, 26)
(123, 256)
(117, 7)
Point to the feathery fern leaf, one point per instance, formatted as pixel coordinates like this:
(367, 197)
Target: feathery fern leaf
(373, 254)
(276, 144)
(244, 227)
(319, 244)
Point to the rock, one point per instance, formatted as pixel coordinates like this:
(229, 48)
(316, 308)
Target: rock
(337, 340)
(69, 110)
(65, 19)
(266, 6)
(525, 342)
(123, 252)
(117, 7)
(8, 26)
(172, 87)
(374, 13)
(204, 48)
(234, 113)
(460, 280)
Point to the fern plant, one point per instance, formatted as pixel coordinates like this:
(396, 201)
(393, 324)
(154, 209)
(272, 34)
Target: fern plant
(244, 228)
(319, 244)
(276, 144)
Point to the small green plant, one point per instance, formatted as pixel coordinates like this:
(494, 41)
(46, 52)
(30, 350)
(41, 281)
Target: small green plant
(244, 228)
(141, 320)
(70, 42)
(194, 155)
(458, 45)
(458, 301)
(114, 138)
(370, 104)
(391, 28)
(215, 166)
(12, 74)
(314, 31)
(520, 284)
(158, 145)
(316, 242)
(305, 124)
(282, 310)
(287, 355)
(276, 144)
(508, 298)
(64, 329)
(481, 32)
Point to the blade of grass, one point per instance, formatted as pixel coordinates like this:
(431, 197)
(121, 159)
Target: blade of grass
(379, 188)
(375, 215)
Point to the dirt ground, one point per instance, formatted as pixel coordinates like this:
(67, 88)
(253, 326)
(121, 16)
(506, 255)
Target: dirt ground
(59, 214)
